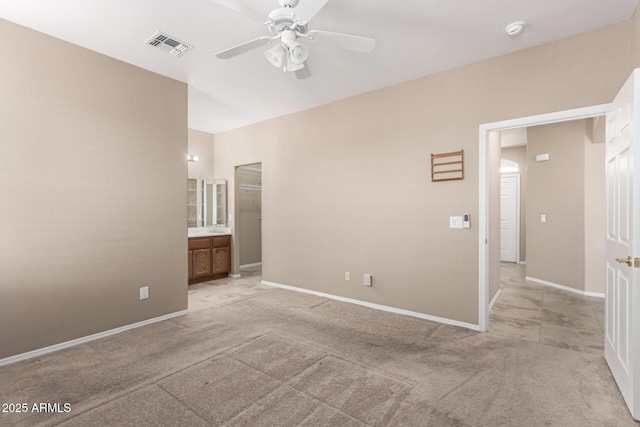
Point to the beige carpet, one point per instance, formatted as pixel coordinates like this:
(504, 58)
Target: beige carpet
(249, 355)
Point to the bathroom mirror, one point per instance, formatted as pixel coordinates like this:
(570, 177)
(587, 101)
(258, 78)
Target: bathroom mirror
(214, 202)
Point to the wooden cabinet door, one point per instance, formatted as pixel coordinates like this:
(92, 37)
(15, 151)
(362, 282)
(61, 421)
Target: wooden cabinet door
(201, 263)
(190, 263)
(221, 260)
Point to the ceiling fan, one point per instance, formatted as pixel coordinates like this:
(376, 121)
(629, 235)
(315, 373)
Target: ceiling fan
(287, 25)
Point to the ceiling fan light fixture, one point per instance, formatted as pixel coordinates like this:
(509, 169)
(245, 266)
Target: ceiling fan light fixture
(276, 55)
(298, 53)
(293, 66)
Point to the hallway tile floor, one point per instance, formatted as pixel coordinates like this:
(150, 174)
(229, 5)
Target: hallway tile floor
(532, 312)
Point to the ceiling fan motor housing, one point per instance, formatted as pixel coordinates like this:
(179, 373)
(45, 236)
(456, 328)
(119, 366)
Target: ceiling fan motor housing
(281, 19)
(288, 3)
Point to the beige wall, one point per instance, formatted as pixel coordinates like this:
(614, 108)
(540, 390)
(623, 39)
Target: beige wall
(201, 145)
(555, 249)
(519, 155)
(249, 222)
(362, 200)
(92, 178)
(570, 189)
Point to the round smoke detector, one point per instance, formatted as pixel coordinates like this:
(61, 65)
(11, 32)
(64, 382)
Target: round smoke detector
(515, 28)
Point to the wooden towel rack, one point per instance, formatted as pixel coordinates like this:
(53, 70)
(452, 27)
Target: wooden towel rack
(447, 166)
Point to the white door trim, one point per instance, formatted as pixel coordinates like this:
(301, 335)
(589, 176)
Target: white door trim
(517, 176)
(483, 213)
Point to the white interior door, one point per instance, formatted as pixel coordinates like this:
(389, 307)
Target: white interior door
(622, 303)
(509, 212)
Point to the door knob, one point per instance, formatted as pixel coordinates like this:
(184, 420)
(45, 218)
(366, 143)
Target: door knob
(628, 260)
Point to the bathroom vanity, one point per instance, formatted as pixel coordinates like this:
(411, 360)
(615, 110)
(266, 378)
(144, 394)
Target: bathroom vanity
(209, 248)
(209, 257)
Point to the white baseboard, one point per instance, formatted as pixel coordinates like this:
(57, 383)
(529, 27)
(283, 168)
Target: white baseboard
(376, 306)
(594, 294)
(255, 264)
(522, 262)
(565, 288)
(82, 340)
(234, 276)
(495, 298)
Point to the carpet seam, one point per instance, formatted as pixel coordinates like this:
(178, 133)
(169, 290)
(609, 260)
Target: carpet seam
(283, 383)
(176, 398)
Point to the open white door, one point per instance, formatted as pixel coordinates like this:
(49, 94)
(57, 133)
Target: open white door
(509, 212)
(622, 307)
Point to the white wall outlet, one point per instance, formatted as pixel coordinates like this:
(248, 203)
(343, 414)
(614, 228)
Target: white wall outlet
(542, 157)
(144, 292)
(455, 222)
(347, 275)
(368, 280)
(543, 218)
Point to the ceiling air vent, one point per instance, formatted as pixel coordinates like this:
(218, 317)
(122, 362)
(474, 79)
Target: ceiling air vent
(168, 44)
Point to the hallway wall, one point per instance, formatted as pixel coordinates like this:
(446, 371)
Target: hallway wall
(569, 189)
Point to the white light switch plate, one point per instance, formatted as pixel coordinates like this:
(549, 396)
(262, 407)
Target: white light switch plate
(455, 222)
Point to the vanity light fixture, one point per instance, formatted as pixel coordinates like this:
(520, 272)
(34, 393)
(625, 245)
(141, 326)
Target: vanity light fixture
(192, 157)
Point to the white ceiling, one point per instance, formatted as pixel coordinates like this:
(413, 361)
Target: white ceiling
(414, 38)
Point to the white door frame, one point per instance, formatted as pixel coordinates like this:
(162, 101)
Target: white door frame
(483, 213)
(517, 176)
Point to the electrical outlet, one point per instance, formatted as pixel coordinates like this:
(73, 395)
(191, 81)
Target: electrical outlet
(368, 280)
(347, 276)
(144, 292)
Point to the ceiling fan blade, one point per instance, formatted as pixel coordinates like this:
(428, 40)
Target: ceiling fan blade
(307, 9)
(304, 73)
(344, 41)
(244, 47)
(236, 6)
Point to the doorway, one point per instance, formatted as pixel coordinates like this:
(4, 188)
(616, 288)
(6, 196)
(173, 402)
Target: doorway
(487, 264)
(553, 302)
(249, 217)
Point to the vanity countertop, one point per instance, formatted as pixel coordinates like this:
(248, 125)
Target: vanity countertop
(207, 231)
